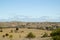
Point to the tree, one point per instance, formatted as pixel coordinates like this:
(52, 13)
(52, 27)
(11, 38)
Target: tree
(30, 35)
(55, 34)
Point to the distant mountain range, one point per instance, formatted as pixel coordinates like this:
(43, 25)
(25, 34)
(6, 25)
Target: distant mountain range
(31, 19)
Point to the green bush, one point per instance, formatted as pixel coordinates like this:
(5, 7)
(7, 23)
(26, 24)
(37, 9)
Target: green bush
(30, 35)
(55, 34)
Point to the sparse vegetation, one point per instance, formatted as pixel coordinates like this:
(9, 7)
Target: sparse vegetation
(26, 33)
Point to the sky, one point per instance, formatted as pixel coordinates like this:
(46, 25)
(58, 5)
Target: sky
(30, 9)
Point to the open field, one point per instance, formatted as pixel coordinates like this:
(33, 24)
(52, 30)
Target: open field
(22, 33)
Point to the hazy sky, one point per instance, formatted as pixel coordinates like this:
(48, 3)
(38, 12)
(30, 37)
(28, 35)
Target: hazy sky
(30, 8)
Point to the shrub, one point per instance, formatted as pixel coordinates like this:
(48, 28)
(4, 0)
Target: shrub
(41, 28)
(1, 30)
(22, 31)
(30, 35)
(3, 36)
(56, 38)
(11, 31)
(7, 34)
(55, 34)
(11, 36)
(45, 35)
(17, 28)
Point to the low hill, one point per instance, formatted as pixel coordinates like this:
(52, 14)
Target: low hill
(37, 25)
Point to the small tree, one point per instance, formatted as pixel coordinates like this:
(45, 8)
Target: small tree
(30, 35)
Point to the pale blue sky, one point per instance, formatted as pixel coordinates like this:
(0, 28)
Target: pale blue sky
(30, 8)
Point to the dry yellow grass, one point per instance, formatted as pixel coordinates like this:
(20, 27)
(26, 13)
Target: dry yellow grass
(21, 34)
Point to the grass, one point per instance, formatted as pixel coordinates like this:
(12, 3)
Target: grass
(36, 32)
